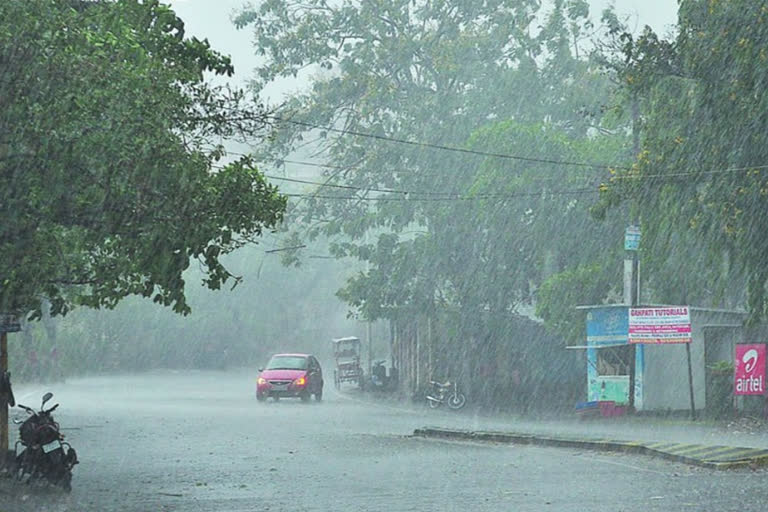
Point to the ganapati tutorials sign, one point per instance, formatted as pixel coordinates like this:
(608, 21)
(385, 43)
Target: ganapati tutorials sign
(671, 324)
(749, 370)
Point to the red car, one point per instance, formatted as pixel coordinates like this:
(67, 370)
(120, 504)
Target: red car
(290, 375)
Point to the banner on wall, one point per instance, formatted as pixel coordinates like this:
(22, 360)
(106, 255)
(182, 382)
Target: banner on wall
(670, 324)
(749, 370)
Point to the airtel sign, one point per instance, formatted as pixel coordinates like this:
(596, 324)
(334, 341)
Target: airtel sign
(749, 370)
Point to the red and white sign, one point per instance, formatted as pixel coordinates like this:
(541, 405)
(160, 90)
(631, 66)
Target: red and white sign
(670, 324)
(749, 370)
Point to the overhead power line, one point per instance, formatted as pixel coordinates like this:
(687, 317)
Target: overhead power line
(442, 147)
(620, 177)
(332, 185)
(420, 173)
(421, 196)
(382, 190)
(272, 251)
(554, 193)
(680, 174)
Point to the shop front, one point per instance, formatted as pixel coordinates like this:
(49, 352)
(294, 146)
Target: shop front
(669, 374)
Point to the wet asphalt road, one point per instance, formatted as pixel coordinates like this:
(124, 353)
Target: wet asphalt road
(200, 442)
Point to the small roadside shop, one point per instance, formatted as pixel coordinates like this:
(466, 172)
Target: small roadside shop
(662, 379)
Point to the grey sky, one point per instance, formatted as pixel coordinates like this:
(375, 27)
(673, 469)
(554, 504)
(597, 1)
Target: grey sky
(659, 14)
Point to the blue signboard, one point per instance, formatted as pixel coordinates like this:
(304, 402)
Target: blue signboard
(632, 238)
(607, 326)
(9, 323)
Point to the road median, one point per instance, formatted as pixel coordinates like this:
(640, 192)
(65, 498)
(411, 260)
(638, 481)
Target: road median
(707, 456)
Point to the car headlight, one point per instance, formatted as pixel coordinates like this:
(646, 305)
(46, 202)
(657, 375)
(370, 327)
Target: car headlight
(300, 381)
(261, 381)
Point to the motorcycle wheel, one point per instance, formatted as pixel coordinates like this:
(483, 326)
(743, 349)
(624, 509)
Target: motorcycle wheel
(433, 404)
(25, 465)
(66, 482)
(457, 401)
(19, 467)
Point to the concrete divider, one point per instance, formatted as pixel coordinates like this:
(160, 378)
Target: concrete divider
(708, 456)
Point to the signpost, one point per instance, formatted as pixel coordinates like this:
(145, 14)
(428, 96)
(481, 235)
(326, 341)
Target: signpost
(664, 325)
(749, 370)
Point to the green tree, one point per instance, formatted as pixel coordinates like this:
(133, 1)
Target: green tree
(450, 74)
(109, 139)
(699, 182)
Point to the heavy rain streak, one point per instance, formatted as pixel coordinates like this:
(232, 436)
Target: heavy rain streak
(383, 255)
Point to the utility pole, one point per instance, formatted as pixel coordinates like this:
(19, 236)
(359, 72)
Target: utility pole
(631, 246)
(631, 299)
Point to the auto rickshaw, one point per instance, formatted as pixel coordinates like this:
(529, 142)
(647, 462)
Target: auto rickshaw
(346, 351)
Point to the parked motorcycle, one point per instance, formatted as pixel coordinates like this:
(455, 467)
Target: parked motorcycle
(380, 380)
(445, 393)
(41, 452)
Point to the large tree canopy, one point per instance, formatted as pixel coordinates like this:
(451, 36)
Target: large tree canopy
(467, 230)
(109, 139)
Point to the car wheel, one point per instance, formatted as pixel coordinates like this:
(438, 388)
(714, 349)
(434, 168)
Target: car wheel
(261, 397)
(319, 396)
(305, 396)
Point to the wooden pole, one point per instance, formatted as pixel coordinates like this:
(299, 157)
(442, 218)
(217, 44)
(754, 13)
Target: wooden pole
(3, 399)
(690, 380)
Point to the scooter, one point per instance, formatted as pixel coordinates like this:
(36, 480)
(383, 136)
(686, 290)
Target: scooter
(380, 380)
(445, 393)
(41, 452)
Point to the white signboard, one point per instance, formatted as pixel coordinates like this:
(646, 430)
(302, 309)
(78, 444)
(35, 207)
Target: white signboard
(671, 324)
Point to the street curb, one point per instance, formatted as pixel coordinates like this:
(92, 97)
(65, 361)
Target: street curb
(746, 458)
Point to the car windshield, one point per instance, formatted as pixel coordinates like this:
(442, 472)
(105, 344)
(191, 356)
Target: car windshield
(287, 363)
